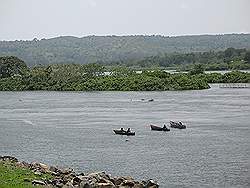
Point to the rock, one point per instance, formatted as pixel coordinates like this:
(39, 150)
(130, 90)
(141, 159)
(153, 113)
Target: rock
(38, 182)
(81, 174)
(55, 173)
(68, 185)
(38, 173)
(151, 184)
(105, 185)
(39, 167)
(84, 184)
(76, 180)
(66, 171)
(117, 180)
(53, 169)
(99, 175)
(59, 185)
(128, 178)
(84, 178)
(129, 183)
(67, 178)
(23, 164)
(58, 182)
(9, 159)
(138, 185)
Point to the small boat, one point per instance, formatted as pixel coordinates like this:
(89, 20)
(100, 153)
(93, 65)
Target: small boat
(122, 132)
(150, 100)
(157, 128)
(177, 125)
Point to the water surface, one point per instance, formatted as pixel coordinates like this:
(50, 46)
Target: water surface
(74, 129)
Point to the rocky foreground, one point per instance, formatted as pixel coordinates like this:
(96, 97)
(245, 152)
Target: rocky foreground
(67, 178)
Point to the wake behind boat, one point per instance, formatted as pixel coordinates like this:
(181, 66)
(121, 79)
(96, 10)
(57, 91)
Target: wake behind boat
(157, 128)
(178, 125)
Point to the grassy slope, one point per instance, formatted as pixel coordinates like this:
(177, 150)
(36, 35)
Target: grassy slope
(14, 177)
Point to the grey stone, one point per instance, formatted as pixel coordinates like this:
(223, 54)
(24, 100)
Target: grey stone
(117, 180)
(8, 158)
(84, 185)
(38, 173)
(38, 182)
(151, 184)
(129, 183)
(68, 185)
(105, 185)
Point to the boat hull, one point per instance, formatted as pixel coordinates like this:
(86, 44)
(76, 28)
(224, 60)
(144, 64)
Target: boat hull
(156, 128)
(177, 125)
(120, 132)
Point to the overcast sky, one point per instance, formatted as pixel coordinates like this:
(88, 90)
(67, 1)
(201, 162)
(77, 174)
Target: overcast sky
(27, 19)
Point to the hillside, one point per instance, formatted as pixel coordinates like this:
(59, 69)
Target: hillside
(115, 48)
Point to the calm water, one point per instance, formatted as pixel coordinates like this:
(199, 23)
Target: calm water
(74, 129)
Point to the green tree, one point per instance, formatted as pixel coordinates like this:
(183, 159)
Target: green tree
(247, 57)
(12, 66)
(93, 70)
(197, 69)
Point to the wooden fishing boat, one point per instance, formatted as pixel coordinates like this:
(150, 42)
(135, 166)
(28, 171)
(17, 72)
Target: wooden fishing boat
(157, 128)
(177, 125)
(122, 132)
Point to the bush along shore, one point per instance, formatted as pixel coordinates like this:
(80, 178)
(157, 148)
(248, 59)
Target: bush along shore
(16, 76)
(14, 173)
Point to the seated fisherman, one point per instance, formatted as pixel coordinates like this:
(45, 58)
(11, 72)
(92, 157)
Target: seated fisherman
(128, 131)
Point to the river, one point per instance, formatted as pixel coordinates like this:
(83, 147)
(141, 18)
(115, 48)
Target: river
(74, 129)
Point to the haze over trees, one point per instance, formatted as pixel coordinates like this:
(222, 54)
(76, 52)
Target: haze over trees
(230, 59)
(106, 49)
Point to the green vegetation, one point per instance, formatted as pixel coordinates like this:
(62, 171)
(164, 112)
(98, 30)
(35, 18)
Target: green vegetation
(59, 79)
(11, 66)
(230, 59)
(122, 49)
(92, 77)
(12, 176)
(247, 57)
(231, 77)
(197, 69)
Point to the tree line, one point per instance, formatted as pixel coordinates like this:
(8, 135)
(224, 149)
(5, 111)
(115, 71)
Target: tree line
(16, 76)
(126, 49)
(229, 59)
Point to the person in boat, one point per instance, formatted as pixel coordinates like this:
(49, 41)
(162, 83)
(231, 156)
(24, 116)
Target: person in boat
(122, 130)
(128, 131)
(180, 122)
(164, 126)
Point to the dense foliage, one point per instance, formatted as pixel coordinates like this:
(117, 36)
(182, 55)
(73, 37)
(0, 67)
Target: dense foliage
(126, 49)
(231, 77)
(92, 77)
(230, 59)
(10, 66)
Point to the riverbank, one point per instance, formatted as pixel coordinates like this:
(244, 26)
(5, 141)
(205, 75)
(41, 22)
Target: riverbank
(16, 76)
(14, 173)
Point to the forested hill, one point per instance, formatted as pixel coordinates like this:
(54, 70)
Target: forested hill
(115, 48)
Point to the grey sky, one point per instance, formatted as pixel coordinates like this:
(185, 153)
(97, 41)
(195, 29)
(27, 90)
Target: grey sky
(27, 19)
